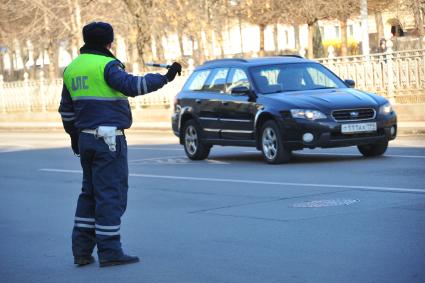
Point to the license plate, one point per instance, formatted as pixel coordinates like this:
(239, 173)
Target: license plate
(358, 128)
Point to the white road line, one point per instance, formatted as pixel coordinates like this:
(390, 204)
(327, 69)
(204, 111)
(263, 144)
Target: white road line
(345, 154)
(158, 149)
(155, 158)
(352, 154)
(256, 182)
(170, 158)
(212, 161)
(11, 150)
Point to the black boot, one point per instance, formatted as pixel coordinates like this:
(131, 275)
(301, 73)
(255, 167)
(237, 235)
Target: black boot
(124, 259)
(83, 260)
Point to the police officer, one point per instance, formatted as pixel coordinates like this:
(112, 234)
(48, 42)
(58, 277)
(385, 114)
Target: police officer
(95, 111)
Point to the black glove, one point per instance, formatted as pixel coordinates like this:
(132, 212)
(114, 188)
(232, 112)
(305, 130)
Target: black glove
(74, 144)
(174, 69)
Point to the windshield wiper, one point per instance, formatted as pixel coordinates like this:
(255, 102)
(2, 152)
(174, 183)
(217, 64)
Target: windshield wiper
(324, 87)
(283, 90)
(276, 91)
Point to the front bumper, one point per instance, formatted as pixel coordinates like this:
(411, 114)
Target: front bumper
(328, 133)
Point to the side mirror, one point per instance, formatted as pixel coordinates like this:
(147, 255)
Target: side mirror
(240, 90)
(350, 83)
(243, 90)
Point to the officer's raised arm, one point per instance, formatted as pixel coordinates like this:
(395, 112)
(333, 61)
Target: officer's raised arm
(117, 78)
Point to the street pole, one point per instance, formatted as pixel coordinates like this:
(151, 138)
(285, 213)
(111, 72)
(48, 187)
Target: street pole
(365, 28)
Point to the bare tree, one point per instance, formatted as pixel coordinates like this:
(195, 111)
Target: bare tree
(343, 10)
(309, 12)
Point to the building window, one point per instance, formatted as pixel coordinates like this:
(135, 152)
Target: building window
(337, 32)
(351, 30)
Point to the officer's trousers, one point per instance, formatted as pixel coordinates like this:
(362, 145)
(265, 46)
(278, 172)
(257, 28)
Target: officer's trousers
(103, 198)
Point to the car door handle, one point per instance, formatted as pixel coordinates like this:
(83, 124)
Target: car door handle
(225, 103)
(198, 101)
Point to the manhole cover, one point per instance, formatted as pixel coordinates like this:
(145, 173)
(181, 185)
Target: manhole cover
(325, 203)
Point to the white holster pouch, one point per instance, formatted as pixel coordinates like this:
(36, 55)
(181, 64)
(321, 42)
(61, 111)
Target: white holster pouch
(108, 133)
(109, 136)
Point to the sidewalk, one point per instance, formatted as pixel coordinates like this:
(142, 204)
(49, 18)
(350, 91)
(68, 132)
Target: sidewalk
(56, 126)
(404, 128)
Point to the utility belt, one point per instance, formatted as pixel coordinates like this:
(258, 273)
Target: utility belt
(108, 134)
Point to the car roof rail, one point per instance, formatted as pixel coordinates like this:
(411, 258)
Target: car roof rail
(292, 55)
(225, 60)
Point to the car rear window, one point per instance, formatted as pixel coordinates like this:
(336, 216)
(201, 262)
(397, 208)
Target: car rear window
(197, 80)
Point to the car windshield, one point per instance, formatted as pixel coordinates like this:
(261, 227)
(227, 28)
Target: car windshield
(294, 77)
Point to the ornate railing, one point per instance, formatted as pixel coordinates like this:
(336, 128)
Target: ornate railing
(43, 95)
(400, 76)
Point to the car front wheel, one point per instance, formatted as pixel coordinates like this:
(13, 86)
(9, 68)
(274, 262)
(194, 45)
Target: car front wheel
(194, 148)
(271, 144)
(375, 149)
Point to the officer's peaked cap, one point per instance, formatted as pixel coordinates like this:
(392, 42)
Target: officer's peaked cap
(98, 33)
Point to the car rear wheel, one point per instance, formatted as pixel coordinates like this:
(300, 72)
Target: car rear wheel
(375, 149)
(271, 144)
(194, 148)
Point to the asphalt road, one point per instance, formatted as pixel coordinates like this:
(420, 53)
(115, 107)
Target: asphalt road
(329, 216)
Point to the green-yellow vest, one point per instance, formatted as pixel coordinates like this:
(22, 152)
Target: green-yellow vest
(84, 79)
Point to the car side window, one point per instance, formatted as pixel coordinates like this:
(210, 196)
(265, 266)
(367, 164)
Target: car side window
(267, 80)
(217, 80)
(197, 80)
(238, 78)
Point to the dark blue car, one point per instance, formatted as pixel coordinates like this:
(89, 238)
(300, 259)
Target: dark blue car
(278, 104)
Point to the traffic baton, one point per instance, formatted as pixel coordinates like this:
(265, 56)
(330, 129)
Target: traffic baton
(166, 66)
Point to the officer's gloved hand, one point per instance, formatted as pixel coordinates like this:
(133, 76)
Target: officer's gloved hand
(74, 144)
(175, 69)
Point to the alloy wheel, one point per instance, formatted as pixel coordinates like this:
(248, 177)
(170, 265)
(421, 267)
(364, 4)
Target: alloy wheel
(191, 140)
(269, 142)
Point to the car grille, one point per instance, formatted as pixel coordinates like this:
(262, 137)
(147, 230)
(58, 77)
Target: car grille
(354, 114)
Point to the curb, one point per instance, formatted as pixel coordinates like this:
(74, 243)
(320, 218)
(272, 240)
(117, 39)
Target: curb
(404, 128)
(54, 126)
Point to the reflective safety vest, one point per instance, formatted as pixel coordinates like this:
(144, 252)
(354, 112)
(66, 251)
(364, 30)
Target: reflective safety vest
(84, 78)
(95, 103)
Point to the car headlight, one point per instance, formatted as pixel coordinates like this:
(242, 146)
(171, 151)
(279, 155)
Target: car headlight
(307, 114)
(386, 109)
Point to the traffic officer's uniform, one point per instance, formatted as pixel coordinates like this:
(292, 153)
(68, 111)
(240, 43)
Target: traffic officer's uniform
(95, 111)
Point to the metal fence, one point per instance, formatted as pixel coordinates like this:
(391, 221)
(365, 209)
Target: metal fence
(44, 96)
(400, 76)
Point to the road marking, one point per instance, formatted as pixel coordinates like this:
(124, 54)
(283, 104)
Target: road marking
(14, 148)
(345, 154)
(155, 158)
(11, 150)
(353, 154)
(256, 182)
(324, 203)
(159, 149)
(174, 160)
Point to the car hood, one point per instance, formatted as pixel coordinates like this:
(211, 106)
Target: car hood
(327, 100)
